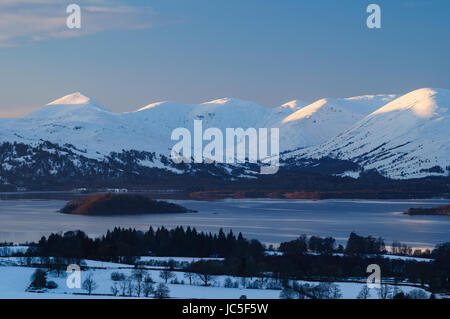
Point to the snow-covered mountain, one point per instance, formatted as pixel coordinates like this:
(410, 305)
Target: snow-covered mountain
(78, 120)
(156, 121)
(79, 126)
(75, 120)
(318, 122)
(406, 138)
(401, 137)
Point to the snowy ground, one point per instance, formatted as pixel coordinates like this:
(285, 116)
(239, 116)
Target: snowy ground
(15, 279)
(10, 250)
(409, 258)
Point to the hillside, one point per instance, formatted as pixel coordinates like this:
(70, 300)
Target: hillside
(322, 120)
(407, 138)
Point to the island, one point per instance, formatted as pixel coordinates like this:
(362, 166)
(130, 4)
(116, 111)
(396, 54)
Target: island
(120, 204)
(440, 210)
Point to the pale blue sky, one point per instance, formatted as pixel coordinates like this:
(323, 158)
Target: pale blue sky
(137, 52)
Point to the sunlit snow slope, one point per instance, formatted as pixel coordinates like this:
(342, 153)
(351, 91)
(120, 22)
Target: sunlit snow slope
(407, 138)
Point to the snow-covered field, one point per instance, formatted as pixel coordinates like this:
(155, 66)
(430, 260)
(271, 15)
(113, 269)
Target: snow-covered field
(15, 279)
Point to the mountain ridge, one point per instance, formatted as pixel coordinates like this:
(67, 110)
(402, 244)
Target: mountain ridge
(407, 138)
(354, 129)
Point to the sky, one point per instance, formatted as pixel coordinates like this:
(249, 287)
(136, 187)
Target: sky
(128, 54)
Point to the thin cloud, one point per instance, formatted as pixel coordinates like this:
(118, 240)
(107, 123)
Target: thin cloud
(25, 21)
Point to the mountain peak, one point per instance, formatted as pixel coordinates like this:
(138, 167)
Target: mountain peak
(230, 101)
(224, 100)
(67, 106)
(294, 104)
(72, 99)
(422, 102)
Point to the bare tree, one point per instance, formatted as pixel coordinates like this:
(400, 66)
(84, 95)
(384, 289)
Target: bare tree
(89, 284)
(204, 270)
(228, 283)
(166, 274)
(147, 286)
(189, 275)
(123, 286)
(364, 293)
(384, 292)
(322, 291)
(244, 281)
(114, 289)
(138, 276)
(129, 287)
(59, 264)
(335, 292)
(206, 278)
(138, 288)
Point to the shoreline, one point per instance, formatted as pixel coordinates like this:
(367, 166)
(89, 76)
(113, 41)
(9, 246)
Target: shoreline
(212, 195)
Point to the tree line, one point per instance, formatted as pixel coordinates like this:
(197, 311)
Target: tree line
(122, 242)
